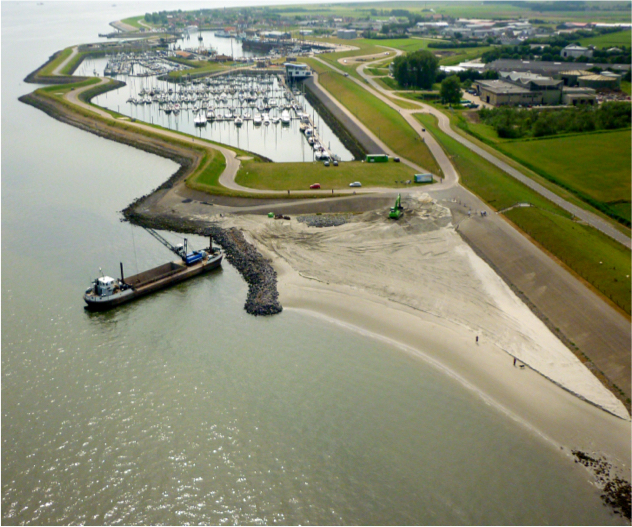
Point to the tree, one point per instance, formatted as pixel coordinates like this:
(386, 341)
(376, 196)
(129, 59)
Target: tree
(451, 89)
(418, 69)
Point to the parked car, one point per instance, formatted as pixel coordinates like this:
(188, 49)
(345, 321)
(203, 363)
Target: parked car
(396, 159)
(326, 163)
(346, 74)
(315, 186)
(355, 184)
(335, 163)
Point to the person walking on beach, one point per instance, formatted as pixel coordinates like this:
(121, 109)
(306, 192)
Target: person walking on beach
(477, 339)
(514, 362)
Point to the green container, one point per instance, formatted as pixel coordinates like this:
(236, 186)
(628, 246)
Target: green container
(270, 214)
(377, 158)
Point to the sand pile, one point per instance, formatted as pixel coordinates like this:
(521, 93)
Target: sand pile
(419, 262)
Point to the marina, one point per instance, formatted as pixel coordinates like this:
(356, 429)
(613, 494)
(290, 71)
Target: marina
(252, 109)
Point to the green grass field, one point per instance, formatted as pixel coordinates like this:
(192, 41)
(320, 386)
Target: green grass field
(385, 122)
(609, 40)
(595, 164)
(207, 176)
(299, 176)
(133, 21)
(626, 87)
(579, 246)
(599, 11)
(592, 167)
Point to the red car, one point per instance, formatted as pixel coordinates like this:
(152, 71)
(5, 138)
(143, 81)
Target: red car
(315, 185)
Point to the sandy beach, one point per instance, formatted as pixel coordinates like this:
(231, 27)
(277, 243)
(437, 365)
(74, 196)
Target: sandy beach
(417, 285)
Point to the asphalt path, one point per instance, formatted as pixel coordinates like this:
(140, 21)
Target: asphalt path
(57, 70)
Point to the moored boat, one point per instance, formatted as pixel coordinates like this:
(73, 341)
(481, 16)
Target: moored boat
(107, 292)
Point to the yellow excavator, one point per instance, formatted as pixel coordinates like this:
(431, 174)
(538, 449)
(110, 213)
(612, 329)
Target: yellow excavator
(397, 211)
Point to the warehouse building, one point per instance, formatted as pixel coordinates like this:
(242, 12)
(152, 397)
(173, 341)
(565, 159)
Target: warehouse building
(503, 93)
(575, 96)
(600, 82)
(347, 33)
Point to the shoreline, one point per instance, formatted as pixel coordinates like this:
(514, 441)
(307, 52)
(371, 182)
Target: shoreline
(566, 420)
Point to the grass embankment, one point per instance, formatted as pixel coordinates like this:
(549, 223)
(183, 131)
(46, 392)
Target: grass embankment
(580, 247)
(134, 22)
(381, 119)
(206, 177)
(198, 67)
(626, 87)
(48, 69)
(594, 166)
(299, 176)
(364, 48)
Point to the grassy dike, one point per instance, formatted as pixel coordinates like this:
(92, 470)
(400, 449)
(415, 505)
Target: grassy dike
(590, 169)
(602, 262)
(380, 118)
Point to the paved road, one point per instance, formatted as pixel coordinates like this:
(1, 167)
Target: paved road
(57, 70)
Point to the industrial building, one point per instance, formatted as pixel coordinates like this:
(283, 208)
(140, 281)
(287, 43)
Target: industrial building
(503, 93)
(575, 96)
(347, 33)
(576, 52)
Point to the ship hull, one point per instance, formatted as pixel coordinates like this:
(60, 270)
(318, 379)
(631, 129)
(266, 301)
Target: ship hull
(151, 281)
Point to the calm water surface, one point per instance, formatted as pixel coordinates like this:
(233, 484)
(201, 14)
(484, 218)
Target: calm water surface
(181, 408)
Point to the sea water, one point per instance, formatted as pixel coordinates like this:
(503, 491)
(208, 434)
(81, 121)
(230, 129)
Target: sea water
(181, 408)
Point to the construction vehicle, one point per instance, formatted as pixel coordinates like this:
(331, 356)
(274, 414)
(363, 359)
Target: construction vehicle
(397, 210)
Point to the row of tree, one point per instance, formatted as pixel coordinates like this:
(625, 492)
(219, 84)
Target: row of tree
(512, 123)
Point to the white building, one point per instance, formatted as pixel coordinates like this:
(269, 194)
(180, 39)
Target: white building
(576, 51)
(298, 72)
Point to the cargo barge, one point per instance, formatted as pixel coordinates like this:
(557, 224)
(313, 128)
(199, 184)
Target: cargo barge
(107, 292)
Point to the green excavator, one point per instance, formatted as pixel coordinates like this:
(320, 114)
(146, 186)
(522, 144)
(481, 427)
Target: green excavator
(397, 211)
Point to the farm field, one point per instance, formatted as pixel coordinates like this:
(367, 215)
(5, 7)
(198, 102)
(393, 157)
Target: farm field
(299, 176)
(385, 122)
(580, 247)
(620, 38)
(597, 165)
(608, 13)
